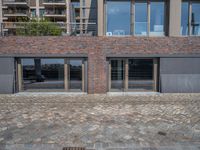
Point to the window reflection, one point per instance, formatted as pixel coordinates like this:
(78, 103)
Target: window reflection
(140, 74)
(43, 73)
(195, 20)
(118, 17)
(157, 18)
(75, 74)
(140, 18)
(184, 18)
(117, 74)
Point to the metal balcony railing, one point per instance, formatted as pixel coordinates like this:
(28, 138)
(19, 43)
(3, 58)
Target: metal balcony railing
(53, 1)
(48, 29)
(13, 12)
(14, 1)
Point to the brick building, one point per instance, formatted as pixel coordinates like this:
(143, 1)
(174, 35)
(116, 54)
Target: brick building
(141, 46)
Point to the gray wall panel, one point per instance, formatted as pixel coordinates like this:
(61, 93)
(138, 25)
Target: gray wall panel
(180, 83)
(180, 75)
(6, 65)
(6, 82)
(6, 75)
(180, 65)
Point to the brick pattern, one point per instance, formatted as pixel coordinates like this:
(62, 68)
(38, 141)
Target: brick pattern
(97, 48)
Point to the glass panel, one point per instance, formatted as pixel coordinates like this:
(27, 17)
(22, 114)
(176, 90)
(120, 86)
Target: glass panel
(75, 74)
(118, 17)
(33, 13)
(195, 21)
(42, 12)
(140, 74)
(43, 73)
(140, 18)
(184, 18)
(157, 18)
(117, 74)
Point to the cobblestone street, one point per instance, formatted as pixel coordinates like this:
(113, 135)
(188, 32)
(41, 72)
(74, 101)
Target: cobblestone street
(137, 122)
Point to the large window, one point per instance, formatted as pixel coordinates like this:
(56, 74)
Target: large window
(118, 17)
(137, 17)
(184, 18)
(140, 18)
(190, 17)
(51, 74)
(43, 73)
(157, 18)
(133, 74)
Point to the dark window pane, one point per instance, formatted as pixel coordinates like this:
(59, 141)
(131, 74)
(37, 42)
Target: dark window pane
(117, 74)
(75, 74)
(157, 18)
(184, 18)
(140, 18)
(195, 21)
(140, 74)
(118, 17)
(43, 73)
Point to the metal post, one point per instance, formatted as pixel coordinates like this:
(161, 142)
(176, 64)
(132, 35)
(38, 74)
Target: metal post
(83, 76)
(126, 75)
(66, 77)
(19, 75)
(155, 73)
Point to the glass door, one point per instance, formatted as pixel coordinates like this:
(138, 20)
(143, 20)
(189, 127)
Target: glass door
(75, 74)
(117, 75)
(140, 75)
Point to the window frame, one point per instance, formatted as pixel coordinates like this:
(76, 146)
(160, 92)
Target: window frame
(190, 2)
(132, 19)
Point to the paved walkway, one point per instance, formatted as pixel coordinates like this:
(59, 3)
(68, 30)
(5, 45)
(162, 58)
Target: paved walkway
(137, 122)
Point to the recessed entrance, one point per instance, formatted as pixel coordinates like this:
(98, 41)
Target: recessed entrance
(133, 74)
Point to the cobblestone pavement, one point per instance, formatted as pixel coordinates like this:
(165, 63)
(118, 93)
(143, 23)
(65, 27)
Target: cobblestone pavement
(101, 122)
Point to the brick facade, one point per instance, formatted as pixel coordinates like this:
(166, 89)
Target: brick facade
(97, 49)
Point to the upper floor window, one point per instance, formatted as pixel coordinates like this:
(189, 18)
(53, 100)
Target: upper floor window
(118, 17)
(190, 17)
(135, 17)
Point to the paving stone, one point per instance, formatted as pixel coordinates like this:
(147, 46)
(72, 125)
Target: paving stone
(136, 122)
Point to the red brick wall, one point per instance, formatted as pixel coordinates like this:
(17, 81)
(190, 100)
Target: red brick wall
(97, 49)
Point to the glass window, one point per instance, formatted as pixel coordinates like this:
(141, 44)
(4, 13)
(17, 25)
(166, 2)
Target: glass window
(140, 74)
(33, 13)
(195, 20)
(117, 74)
(42, 12)
(140, 18)
(75, 75)
(43, 74)
(118, 17)
(184, 18)
(157, 9)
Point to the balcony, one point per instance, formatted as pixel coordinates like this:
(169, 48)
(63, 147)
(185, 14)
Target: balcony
(71, 29)
(54, 2)
(55, 13)
(15, 13)
(75, 4)
(15, 2)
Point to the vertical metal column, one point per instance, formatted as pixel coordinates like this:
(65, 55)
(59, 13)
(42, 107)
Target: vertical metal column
(126, 76)
(68, 18)
(19, 75)
(109, 76)
(66, 76)
(83, 76)
(155, 74)
(149, 17)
